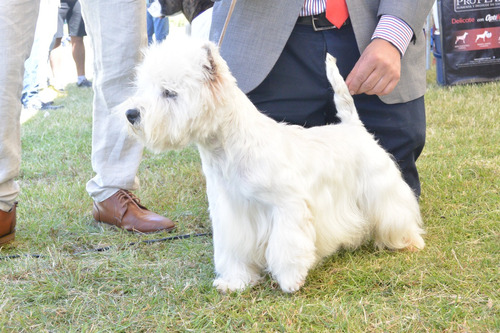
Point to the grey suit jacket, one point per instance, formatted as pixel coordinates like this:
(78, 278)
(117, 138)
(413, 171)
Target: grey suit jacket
(259, 29)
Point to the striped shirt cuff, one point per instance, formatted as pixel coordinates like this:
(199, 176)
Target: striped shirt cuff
(395, 31)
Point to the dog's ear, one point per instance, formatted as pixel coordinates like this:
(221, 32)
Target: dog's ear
(211, 67)
(218, 76)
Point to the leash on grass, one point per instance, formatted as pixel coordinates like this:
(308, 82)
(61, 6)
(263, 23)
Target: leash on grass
(109, 247)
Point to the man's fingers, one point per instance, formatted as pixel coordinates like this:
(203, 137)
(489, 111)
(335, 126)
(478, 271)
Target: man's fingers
(358, 77)
(377, 71)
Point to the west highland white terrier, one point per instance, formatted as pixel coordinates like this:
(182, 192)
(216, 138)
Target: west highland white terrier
(281, 197)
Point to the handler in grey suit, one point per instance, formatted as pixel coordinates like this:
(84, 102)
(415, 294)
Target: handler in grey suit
(276, 50)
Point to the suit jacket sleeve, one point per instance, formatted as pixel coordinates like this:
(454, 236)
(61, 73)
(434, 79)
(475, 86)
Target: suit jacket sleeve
(364, 17)
(413, 12)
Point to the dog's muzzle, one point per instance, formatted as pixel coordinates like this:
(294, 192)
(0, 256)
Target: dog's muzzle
(133, 116)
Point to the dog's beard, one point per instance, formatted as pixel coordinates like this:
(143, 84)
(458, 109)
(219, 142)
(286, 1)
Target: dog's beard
(161, 131)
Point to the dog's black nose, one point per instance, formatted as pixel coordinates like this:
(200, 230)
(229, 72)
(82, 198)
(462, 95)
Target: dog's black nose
(133, 115)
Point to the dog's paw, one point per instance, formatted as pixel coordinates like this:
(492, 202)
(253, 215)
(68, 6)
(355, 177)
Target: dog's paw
(415, 244)
(230, 285)
(290, 285)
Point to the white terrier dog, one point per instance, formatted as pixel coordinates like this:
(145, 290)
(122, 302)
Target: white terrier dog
(281, 197)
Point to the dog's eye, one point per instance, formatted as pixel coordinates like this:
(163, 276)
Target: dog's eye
(169, 93)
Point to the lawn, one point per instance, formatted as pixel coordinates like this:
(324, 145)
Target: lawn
(52, 280)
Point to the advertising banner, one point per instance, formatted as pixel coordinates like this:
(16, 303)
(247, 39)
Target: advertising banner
(470, 40)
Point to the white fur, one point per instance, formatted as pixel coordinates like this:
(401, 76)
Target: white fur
(281, 197)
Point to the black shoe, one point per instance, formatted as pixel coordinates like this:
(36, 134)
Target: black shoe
(50, 106)
(84, 83)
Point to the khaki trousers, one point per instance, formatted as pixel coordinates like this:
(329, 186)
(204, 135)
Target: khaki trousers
(117, 30)
(17, 30)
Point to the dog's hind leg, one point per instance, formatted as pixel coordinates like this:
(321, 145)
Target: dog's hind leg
(396, 216)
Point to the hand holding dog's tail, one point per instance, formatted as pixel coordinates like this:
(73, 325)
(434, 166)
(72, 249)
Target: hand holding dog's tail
(346, 110)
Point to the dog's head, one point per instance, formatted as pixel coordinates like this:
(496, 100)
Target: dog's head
(180, 84)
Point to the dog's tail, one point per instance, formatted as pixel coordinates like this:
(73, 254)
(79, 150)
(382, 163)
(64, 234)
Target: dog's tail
(346, 110)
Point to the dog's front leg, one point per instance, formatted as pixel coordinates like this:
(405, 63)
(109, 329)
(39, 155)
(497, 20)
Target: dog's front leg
(232, 273)
(234, 265)
(235, 248)
(291, 250)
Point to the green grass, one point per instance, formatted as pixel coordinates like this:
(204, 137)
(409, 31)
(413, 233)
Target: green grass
(450, 286)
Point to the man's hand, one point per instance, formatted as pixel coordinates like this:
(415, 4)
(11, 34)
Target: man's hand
(377, 71)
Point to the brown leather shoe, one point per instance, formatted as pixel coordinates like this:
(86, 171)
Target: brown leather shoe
(8, 225)
(124, 210)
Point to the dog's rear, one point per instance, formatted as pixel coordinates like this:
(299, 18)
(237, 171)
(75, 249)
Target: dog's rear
(390, 205)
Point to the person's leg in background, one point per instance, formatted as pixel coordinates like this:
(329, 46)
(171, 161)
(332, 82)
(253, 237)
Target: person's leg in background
(56, 53)
(150, 24)
(78, 51)
(77, 32)
(17, 30)
(115, 155)
(156, 26)
(69, 11)
(161, 28)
